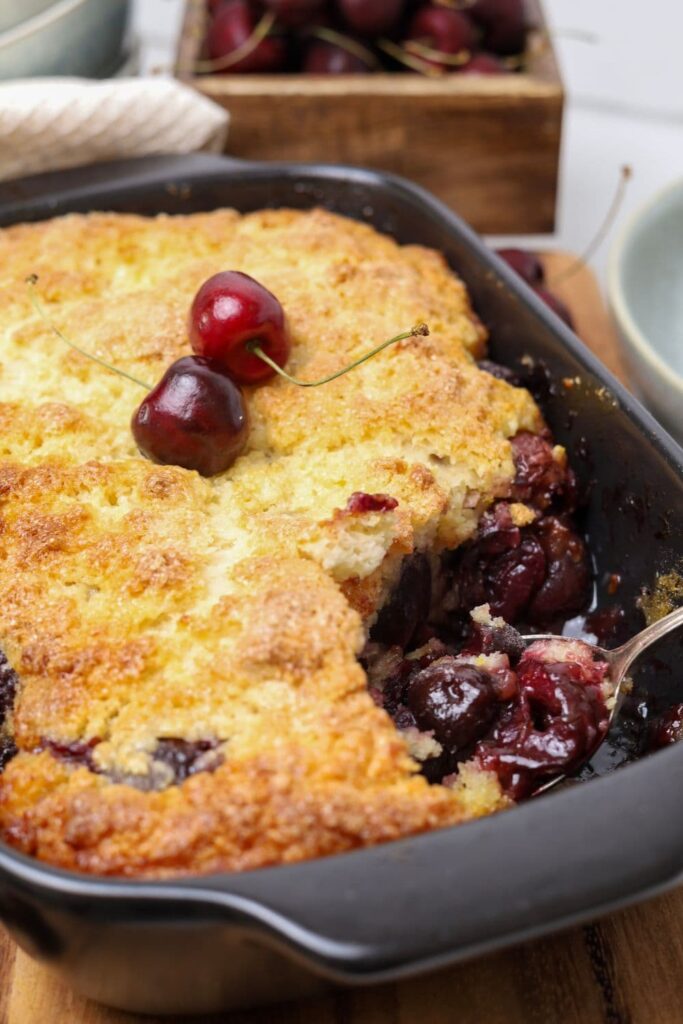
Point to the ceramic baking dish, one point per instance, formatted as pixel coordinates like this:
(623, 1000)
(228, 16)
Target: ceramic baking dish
(229, 940)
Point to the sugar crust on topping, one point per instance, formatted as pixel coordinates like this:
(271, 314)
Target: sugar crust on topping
(140, 602)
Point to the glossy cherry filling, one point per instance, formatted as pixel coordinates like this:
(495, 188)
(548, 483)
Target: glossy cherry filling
(459, 689)
(470, 688)
(526, 717)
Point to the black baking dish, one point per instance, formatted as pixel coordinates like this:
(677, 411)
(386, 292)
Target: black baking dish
(221, 941)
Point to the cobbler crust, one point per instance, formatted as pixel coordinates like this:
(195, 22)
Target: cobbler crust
(140, 602)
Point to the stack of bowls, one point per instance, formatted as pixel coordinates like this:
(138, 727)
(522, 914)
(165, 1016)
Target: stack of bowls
(62, 37)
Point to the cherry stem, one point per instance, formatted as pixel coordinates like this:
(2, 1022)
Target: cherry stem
(32, 281)
(328, 35)
(596, 242)
(421, 50)
(240, 52)
(414, 63)
(420, 330)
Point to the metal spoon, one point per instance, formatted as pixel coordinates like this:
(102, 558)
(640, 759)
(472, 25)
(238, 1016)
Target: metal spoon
(619, 661)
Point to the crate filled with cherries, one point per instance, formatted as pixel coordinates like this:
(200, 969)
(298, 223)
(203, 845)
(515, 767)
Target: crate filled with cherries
(336, 37)
(463, 97)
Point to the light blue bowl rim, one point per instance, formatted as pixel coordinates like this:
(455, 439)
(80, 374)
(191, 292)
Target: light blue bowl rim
(39, 21)
(617, 295)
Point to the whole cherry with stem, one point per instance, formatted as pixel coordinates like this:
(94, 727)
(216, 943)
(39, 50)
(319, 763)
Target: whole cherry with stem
(331, 53)
(231, 309)
(439, 34)
(239, 323)
(503, 23)
(196, 416)
(238, 42)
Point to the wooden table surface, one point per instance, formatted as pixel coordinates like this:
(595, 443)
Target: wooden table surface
(625, 969)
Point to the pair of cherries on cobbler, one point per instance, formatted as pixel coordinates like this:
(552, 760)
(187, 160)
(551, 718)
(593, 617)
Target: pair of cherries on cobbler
(196, 416)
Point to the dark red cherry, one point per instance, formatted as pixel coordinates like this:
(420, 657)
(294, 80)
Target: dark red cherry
(195, 417)
(556, 304)
(503, 23)
(324, 58)
(371, 17)
(484, 64)
(455, 701)
(230, 310)
(525, 263)
(669, 728)
(566, 588)
(231, 27)
(443, 29)
(295, 13)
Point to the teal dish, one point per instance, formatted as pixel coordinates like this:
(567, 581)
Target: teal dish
(645, 286)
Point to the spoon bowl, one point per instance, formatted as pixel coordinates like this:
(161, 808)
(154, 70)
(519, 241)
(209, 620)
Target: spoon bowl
(619, 662)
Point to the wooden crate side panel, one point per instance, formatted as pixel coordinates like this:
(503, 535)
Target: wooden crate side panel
(496, 163)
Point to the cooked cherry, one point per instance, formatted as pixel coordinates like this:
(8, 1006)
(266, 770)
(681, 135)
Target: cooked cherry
(503, 23)
(540, 479)
(485, 639)
(608, 625)
(513, 578)
(497, 532)
(455, 701)
(371, 17)
(195, 417)
(8, 687)
(567, 584)
(326, 58)
(442, 29)
(669, 728)
(78, 753)
(360, 502)
(9, 683)
(187, 757)
(232, 27)
(484, 64)
(8, 750)
(230, 310)
(525, 263)
(552, 727)
(556, 304)
(500, 372)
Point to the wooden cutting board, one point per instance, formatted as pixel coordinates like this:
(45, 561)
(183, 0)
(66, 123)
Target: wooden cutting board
(626, 969)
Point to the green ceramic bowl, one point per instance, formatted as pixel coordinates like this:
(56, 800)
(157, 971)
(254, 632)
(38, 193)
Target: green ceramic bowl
(645, 287)
(70, 37)
(13, 12)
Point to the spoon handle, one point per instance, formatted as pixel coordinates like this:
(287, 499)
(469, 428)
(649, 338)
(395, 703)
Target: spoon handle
(623, 657)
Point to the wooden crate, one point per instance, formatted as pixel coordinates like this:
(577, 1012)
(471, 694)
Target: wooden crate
(487, 145)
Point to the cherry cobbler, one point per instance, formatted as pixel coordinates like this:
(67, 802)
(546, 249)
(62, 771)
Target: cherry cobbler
(246, 623)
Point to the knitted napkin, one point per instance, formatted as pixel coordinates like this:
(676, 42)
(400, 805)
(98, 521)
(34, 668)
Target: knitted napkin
(50, 123)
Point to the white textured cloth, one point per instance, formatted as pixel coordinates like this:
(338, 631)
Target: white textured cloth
(50, 123)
